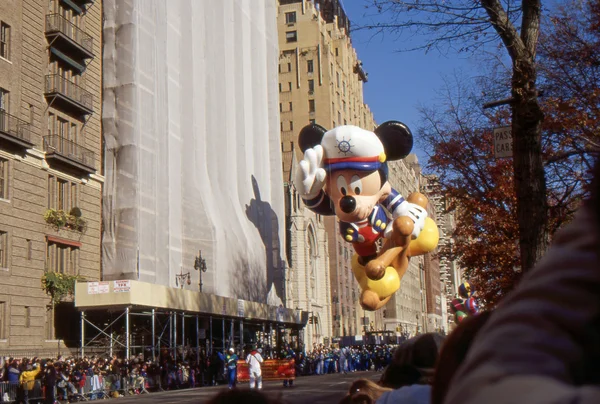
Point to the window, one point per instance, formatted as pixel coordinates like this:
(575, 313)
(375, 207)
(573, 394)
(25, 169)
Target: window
(291, 36)
(279, 87)
(61, 258)
(344, 87)
(339, 117)
(280, 107)
(27, 316)
(4, 40)
(3, 103)
(49, 331)
(281, 126)
(290, 18)
(289, 67)
(291, 125)
(289, 86)
(2, 320)
(290, 106)
(311, 85)
(337, 79)
(337, 52)
(311, 105)
(62, 194)
(3, 249)
(3, 178)
(310, 66)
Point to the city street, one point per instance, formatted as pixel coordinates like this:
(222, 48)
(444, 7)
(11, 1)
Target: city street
(328, 389)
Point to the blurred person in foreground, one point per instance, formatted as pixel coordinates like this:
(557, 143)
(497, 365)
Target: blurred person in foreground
(364, 391)
(410, 373)
(453, 353)
(541, 345)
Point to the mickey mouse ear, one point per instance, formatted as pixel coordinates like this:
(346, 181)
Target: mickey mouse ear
(310, 136)
(397, 139)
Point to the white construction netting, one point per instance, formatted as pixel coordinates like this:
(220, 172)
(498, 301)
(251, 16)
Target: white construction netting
(193, 161)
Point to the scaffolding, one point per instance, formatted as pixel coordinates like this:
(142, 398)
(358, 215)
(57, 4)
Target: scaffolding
(125, 324)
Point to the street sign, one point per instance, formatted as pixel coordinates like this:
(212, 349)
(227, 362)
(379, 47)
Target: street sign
(503, 142)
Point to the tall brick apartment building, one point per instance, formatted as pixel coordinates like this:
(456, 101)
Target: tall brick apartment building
(50, 162)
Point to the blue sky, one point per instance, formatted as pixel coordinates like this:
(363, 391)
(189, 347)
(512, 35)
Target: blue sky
(398, 81)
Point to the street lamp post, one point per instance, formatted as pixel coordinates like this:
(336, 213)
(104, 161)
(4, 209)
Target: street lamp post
(200, 266)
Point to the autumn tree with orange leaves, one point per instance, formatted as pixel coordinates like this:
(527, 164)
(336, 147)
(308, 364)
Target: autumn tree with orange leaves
(479, 189)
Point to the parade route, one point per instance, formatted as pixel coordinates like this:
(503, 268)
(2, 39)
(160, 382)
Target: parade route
(327, 389)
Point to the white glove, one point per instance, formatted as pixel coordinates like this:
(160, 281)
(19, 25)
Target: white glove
(310, 176)
(415, 212)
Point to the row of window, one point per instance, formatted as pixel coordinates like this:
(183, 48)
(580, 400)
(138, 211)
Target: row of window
(310, 66)
(311, 86)
(26, 313)
(62, 194)
(60, 257)
(311, 106)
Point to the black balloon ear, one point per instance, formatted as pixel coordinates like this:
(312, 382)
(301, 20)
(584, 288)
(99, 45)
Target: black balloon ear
(396, 138)
(310, 136)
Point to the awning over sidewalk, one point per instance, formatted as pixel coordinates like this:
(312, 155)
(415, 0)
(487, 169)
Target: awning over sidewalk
(114, 295)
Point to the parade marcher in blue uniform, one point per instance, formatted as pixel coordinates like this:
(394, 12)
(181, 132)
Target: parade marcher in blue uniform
(231, 362)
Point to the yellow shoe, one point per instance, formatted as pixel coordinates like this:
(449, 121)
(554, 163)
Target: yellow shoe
(386, 286)
(427, 240)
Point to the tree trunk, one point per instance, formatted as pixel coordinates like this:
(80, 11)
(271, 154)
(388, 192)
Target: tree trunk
(530, 182)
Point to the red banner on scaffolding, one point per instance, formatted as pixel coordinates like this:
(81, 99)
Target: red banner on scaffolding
(271, 369)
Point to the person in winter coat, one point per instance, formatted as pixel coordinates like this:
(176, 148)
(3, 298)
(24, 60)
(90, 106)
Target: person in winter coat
(541, 343)
(50, 377)
(13, 372)
(254, 361)
(27, 380)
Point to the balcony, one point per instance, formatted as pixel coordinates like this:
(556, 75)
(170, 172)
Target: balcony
(67, 153)
(68, 95)
(67, 37)
(14, 131)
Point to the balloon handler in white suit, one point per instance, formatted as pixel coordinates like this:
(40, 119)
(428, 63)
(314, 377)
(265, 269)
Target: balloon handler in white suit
(344, 173)
(254, 361)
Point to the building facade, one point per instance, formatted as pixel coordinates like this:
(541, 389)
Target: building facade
(435, 284)
(321, 81)
(308, 261)
(450, 271)
(50, 165)
(406, 310)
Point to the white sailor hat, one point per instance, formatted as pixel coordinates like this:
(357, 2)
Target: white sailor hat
(350, 147)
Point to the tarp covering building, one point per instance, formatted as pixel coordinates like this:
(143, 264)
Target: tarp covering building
(192, 146)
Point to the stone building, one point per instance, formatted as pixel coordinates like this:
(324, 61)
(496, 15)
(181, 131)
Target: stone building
(308, 260)
(50, 165)
(321, 80)
(450, 271)
(406, 310)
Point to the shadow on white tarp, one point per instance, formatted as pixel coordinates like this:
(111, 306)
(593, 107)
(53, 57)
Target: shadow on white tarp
(191, 126)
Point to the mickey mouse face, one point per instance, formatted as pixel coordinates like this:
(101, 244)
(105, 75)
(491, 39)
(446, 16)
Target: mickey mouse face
(354, 193)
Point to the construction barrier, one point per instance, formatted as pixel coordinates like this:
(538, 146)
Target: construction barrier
(271, 369)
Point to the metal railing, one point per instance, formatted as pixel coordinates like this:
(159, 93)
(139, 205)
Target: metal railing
(58, 84)
(69, 149)
(14, 126)
(58, 23)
